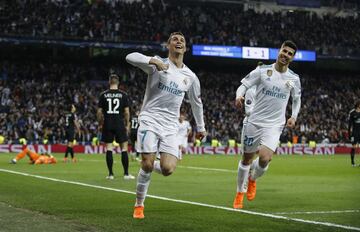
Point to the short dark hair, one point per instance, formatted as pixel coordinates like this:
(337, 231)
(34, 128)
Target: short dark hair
(114, 79)
(357, 104)
(175, 33)
(290, 44)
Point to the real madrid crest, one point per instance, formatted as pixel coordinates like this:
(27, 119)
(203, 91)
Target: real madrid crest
(269, 72)
(185, 81)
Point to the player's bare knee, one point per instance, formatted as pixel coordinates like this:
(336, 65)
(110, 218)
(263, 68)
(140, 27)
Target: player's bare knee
(264, 161)
(167, 169)
(247, 158)
(147, 165)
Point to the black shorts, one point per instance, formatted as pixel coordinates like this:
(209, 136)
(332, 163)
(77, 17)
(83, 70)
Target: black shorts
(70, 134)
(356, 138)
(133, 137)
(111, 134)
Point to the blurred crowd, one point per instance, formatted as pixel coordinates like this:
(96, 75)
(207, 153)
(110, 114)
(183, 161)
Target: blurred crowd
(202, 23)
(35, 98)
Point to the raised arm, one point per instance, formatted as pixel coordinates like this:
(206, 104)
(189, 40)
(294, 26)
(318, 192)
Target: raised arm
(146, 63)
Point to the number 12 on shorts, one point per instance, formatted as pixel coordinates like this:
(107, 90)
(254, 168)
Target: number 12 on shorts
(248, 141)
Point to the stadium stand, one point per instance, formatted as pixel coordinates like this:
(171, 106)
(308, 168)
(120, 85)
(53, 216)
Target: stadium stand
(200, 22)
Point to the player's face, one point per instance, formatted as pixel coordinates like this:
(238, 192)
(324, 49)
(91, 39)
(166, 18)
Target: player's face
(286, 55)
(73, 109)
(182, 117)
(177, 44)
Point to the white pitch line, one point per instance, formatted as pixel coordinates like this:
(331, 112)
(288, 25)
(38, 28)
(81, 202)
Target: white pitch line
(189, 202)
(181, 166)
(207, 169)
(320, 212)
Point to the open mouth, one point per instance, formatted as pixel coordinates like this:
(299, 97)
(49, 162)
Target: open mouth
(178, 46)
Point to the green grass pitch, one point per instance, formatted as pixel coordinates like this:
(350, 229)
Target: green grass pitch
(314, 189)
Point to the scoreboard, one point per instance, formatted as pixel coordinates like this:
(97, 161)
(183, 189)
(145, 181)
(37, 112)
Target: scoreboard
(259, 53)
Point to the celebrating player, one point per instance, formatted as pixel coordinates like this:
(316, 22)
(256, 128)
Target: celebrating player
(168, 80)
(274, 85)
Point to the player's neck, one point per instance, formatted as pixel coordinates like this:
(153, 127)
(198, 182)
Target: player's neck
(281, 68)
(177, 59)
(113, 87)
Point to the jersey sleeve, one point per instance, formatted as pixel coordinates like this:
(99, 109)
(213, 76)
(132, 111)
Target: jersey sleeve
(296, 98)
(141, 61)
(253, 78)
(249, 100)
(194, 94)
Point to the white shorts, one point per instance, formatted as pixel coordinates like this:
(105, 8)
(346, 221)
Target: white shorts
(254, 136)
(183, 141)
(149, 141)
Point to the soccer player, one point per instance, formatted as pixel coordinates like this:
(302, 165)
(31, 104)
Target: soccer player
(168, 80)
(133, 134)
(354, 130)
(113, 116)
(71, 123)
(183, 133)
(274, 85)
(34, 157)
(249, 103)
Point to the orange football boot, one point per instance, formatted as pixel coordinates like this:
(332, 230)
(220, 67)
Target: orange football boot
(238, 201)
(138, 212)
(251, 191)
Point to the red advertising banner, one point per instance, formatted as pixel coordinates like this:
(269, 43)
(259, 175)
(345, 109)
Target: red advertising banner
(329, 149)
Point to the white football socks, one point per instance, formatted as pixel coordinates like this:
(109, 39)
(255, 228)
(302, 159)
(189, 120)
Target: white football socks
(242, 178)
(258, 171)
(157, 167)
(142, 186)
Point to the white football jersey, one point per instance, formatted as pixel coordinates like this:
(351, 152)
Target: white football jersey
(184, 126)
(164, 94)
(273, 90)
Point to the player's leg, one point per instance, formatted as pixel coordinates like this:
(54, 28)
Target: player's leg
(250, 141)
(269, 142)
(33, 155)
(107, 137)
(125, 161)
(169, 154)
(147, 145)
(71, 150)
(122, 138)
(352, 155)
(167, 163)
(109, 160)
(355, 140)
(69, 147)
(20, 155)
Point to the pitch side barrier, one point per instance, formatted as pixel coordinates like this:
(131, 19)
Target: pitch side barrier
(298, 149)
